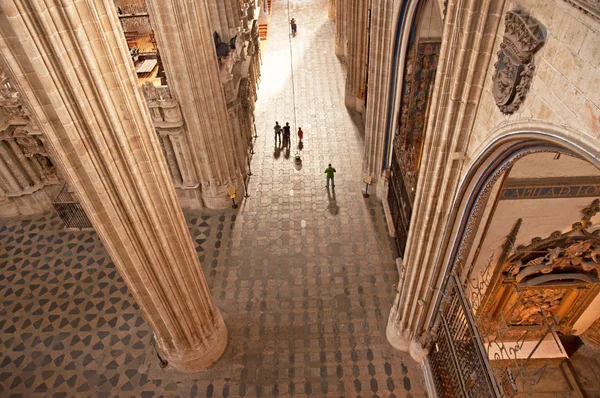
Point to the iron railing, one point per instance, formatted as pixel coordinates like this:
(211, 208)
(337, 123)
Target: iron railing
(69, 210)
(459, 362)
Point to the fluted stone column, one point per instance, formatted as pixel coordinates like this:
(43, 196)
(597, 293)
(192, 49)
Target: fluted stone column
(380, 71)
(332, 9)
(469, 31)
(184, 158)
(82, 91)
(224, 17)
(341, 23)
(184, 37)
(356, 53)
(7, 178)
(12, 170)
(24, 161)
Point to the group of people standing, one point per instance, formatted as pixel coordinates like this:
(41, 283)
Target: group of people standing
(286, 131)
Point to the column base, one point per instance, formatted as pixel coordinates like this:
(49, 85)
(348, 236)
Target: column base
(397, 339)
(401, 341)
(354, 103)
(190, 198)
(388, 218)
(340, 49)
(195, 359)
(417, 352)
(219, 198)
(8, 209)
(381, 188)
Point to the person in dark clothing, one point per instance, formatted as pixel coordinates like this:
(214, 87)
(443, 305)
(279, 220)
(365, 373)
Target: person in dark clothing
(277, 132)
(330, 171)
(294, 26)
(286, 134)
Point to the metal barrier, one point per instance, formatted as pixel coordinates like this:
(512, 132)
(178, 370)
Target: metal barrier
(459, 362)
(69, 210)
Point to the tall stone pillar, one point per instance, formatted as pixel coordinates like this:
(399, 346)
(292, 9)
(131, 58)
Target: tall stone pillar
(380, 71)
(224, 17)
(332, 9)
(469, 32)
(82, 91)
(341, 23)
(356, 53)
(185, 39)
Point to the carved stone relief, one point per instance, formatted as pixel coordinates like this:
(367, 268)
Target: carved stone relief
(523, 37)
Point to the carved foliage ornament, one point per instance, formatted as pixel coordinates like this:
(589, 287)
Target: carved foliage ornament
(523, 37)
(572, 257)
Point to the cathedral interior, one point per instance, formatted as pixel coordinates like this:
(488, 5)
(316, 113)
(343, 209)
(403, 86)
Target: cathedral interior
(159, 238)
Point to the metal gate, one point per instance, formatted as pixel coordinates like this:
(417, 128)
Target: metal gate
(459, 361)
(69, 210)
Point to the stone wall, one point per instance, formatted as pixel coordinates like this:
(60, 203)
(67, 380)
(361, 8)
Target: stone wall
(564, 89)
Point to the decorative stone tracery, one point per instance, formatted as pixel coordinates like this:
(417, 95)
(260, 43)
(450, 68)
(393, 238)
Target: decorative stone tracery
(523, 37)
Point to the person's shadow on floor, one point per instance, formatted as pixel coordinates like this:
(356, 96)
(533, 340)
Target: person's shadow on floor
(300, 145)
(332, 206)
(276, 151)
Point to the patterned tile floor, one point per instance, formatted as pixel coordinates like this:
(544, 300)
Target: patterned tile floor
(303, 275)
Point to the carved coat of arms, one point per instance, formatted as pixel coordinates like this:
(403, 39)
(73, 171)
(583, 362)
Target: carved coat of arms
(523, 37)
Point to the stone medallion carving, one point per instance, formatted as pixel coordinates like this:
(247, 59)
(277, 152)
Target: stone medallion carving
(523, 37)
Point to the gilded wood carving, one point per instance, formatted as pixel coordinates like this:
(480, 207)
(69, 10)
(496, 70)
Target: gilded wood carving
(556, 277)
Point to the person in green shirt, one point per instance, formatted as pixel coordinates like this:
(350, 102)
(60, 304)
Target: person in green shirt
(330, 171)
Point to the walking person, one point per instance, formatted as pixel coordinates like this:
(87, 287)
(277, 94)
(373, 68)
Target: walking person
(300, 133)
(277, 132)
(294, 26)
(330, 171)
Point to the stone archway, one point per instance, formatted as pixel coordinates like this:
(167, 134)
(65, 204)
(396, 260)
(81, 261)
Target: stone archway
(510, 313)
(498, 153)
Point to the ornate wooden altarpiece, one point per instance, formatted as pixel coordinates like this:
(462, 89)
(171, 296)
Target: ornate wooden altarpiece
(556, 277)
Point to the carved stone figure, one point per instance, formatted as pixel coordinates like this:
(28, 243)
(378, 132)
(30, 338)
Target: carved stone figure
(30, 145)
(523, 37)
(47, 166)
(149, 91)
